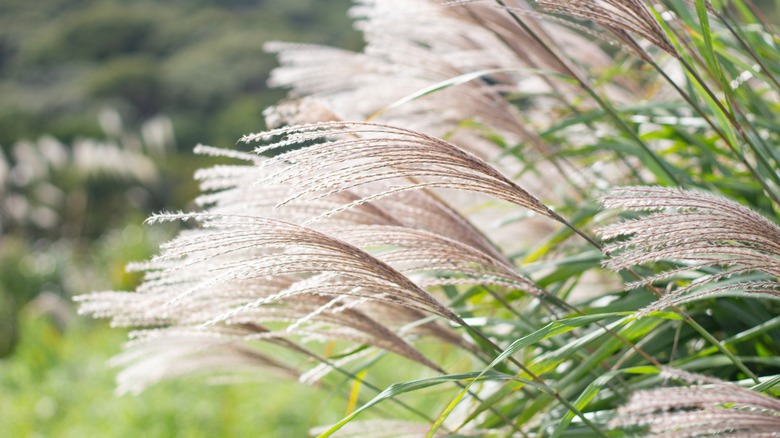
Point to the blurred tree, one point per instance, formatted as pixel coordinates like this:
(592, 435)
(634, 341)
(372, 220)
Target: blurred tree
(96, 34)
(131, 80)
(62, 62)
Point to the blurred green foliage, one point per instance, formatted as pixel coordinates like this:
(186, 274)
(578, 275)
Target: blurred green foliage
(60, 62)
(199, 63)
(58, 385)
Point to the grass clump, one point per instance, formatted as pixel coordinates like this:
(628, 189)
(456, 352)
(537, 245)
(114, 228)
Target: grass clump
(548, 210)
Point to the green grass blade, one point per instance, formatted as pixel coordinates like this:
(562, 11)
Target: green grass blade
(405, 387)
(593, 390)
(550, 330)
(459, 80)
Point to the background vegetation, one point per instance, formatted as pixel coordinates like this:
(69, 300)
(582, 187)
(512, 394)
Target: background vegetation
(142, 82)
(193, 61)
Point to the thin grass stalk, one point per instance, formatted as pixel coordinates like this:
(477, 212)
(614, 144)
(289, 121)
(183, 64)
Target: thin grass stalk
(561, 98)
(737, 154)
(644, 56)
(602, 102)
(767, 24)
(760, 146)
(305, 351)
(726, 113)
(740, 129)
(706, 117)
(725, 18)
(733, 340)
(624, 36)
(533, 376)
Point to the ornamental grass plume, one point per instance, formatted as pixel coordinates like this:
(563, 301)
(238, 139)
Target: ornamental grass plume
(254, 286)
(621, 18)
(386, 154)
(708, 407)
(454, 64)
(334, 244)
(697, 232)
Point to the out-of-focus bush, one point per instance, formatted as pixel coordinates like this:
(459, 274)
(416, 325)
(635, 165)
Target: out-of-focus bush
(64, 210)
(96, 34)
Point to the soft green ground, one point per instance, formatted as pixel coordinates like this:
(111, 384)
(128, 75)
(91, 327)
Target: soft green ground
(58, 385)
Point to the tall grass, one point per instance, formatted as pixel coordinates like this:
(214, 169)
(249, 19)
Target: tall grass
(554, 211)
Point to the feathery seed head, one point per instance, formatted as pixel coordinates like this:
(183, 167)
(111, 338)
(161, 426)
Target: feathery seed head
(694, 230)
(710, 407)
(325, 241)
(620, 17)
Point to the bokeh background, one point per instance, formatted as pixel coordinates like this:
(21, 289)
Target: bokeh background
(101, 102)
